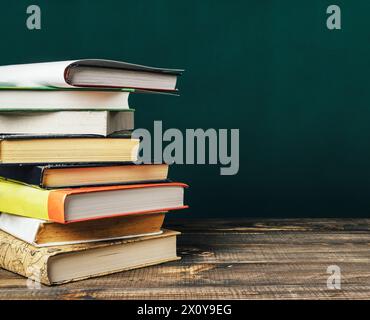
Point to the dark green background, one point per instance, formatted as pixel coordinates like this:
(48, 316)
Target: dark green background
(298, 92)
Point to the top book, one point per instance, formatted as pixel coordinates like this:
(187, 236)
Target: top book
(95, 73)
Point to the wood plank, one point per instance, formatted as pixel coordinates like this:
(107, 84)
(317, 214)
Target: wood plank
(266, 225)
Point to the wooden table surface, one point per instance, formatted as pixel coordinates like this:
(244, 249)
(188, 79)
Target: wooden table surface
(236, 259)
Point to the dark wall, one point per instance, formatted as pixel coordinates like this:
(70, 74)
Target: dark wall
(298, 92)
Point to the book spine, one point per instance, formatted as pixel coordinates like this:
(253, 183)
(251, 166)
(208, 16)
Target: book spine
(39, 172)
(56, 206)
(23, 200)
(22, 258)
(26, 174)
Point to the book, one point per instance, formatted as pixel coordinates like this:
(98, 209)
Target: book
(101, 123)
(62, 264)
(89, 73)
(60, 149)
(82, 175)
(88, 203)
(41, 233)
(38, 98)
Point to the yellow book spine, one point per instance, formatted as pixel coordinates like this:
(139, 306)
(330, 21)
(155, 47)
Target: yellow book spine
(23, 200)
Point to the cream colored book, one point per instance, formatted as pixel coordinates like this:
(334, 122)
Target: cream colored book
(42, 233)
(85, 122)
(45, 98)
(61, 264)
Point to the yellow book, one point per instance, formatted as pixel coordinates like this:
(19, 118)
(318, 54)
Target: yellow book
(88, 203)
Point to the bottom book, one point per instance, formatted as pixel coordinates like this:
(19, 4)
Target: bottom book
(62, 264)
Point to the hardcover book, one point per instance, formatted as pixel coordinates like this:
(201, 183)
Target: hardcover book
(90, 73)
(45, 98)
(61, 264)
(101, 123)
(89, 174)
(80, 204)
(59, 149)
(41, 233)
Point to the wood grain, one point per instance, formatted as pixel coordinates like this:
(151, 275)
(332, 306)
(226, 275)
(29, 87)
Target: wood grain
(236, 259)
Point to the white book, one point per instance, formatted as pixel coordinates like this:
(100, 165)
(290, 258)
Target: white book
(89, 73)
(29, 229)
(66, 122)
(51, 99)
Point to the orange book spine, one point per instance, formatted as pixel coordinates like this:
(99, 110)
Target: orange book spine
(56, 200)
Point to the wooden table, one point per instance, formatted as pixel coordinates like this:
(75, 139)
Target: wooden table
(236, 259)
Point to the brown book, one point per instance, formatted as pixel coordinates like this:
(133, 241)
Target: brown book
(84, 174)
(42, 233)
(61, 264)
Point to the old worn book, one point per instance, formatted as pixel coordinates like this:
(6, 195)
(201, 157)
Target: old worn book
(101, 123)
(88, 203)
(59, 149)
(61, 264)
(41, 233)
(45, 98)
(81, 175)
(90, 73)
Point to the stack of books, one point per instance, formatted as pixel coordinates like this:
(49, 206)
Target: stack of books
(74, 204)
